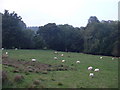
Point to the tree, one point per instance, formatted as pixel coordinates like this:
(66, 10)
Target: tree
(28, 39)
(12, 27)
(93, 19)
(39, 43)
(50, 33)
(96, 38)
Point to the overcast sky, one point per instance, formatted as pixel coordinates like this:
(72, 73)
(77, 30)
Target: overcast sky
(72, 12)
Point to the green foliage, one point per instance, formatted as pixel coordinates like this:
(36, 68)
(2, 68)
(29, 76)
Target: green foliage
(101, 38)
(28, 37)
(12, 27)
(96, 38)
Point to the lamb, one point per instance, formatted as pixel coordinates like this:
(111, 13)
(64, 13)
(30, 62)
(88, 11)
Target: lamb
(55, 58)
(6, 53)
(101, 57)
(56, 52)
(63, 61)
(16, 49)
(96, 70)
(33, 60)
(2, 48)
(91, 75)
(90, 68)
(62, 55)
(112, 58)
(77, 61)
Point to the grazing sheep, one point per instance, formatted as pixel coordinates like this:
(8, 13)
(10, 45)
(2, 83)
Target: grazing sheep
(96, 70)
(112, 58)
(56, 52)
(63, 61)
(62, 55)
(55, 58)
(90, 68)
(101, 57)
(33, 60)
(6, 53)
(77, 61)
(16, 49)
(91, 75)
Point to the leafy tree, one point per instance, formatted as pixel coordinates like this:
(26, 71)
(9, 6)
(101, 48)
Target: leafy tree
(96, 38)
(12, 27)
(28, 39)
(50, 33)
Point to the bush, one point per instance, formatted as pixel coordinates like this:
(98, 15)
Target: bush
(44, 72)
(53, 79)
(36, 82)
(4, 77)
(60, 84)
(15, 71)
(32, 86)
(18, 78)
(27, 73)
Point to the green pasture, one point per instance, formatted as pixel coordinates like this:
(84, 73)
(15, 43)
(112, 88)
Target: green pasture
(107, 77)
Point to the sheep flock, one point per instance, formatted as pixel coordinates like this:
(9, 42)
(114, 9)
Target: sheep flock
(60, 57)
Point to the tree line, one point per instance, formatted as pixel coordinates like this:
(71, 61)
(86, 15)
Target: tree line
(98, 37)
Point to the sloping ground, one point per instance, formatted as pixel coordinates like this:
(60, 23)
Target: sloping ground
(18, 63)
(30, 66)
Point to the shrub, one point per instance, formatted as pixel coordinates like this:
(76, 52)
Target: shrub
(32, 86)
(15, 71)
(18, 78)
(44, 72)
(36, 82)
(53, 79)
(30, 70)
(60, 84)
(4, 77)
(37, 71)
(27, 73)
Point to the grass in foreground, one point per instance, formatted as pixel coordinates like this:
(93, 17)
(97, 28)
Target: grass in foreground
(106, 78)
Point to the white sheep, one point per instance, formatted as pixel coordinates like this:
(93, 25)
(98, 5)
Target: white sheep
(33, 60)
(6, 53)
(97, 70)
(91, 75)
(56, 52)
(90, 68)
(2, 48)
(101, 57)
(63, 61)
(62, 55)
(77, 61)
(16, 49)
(112, 58)
(55, 58)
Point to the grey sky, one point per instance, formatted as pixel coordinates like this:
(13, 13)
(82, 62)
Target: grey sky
(73, 12)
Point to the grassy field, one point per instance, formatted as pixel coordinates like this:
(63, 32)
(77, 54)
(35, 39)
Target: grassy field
(107, 77)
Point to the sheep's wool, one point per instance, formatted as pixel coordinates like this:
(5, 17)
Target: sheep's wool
(91, 74)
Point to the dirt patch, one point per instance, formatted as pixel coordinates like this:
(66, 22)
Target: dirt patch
(29, 66)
